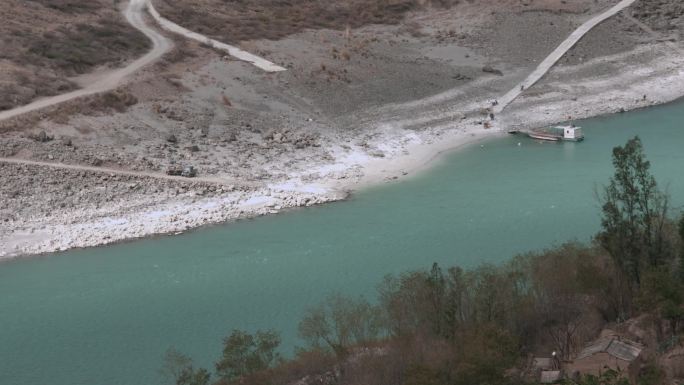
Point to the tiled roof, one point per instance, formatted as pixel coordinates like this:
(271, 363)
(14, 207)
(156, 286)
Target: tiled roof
(550, 376)
(542, 362)
(618, 348)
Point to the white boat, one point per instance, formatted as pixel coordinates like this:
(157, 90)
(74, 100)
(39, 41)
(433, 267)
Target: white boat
(556, 133)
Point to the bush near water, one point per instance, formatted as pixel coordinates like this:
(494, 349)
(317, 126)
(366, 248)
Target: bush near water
(466, 327)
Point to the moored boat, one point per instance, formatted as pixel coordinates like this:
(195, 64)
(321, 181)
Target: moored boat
(557, 133)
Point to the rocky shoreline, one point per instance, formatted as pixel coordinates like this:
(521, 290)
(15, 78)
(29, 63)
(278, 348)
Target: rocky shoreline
(149, 209)
(356, 111)
(171, 207)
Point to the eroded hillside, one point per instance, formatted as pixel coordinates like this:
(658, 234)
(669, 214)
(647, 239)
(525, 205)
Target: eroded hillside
(45, 44)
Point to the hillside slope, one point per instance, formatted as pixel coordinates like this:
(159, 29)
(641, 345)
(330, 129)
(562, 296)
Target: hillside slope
(44, 44)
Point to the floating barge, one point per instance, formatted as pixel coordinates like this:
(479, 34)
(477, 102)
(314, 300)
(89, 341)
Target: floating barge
(556, 134)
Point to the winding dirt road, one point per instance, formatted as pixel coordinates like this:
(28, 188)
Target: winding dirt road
(231, 50)
(115, 171)
(557, 54)
(160, 45)
(134, 13)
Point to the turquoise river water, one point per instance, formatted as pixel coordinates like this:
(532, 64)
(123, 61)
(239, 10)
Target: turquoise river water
(105, 316)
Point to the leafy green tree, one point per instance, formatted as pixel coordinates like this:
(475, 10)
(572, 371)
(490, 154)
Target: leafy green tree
(340, 322)
(178, 370)
(634, 214)
(245, 354)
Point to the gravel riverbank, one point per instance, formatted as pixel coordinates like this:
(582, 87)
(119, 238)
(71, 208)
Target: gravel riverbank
(328, 126)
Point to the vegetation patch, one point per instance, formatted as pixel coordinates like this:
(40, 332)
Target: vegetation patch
(45, 42)
(239, 20)
(483, 326)
(78, 49)
(69, 6)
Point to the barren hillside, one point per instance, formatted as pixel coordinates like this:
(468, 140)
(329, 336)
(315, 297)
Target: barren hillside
(239, 20)
(44, 44)
(369, 86)
(235, 21)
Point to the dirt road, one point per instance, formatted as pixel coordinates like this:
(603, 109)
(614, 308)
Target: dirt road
(557, 54)
(105, 170)
(231, 50)
(134, 15)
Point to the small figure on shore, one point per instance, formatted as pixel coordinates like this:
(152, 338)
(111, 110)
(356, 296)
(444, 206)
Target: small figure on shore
(644, 96)
(522, 87)
(491, 115)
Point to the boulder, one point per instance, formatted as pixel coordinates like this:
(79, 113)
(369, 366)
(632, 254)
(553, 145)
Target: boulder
(42, 137)
(492, 70)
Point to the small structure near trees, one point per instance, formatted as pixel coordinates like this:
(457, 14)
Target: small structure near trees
(608, 353)
(546, 370)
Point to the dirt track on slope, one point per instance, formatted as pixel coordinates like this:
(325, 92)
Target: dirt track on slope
(134, 15)
(558, 53)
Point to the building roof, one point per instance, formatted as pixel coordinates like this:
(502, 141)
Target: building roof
(617, 347)
(550, 376)
(542, 363)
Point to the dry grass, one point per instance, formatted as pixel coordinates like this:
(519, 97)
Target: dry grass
(118, 100)
(44, 42)
(660, 14)
(77, 49)
(240, 20)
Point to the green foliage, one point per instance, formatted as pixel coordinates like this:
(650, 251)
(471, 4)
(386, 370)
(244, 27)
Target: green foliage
(660, 286)
(651, 374)
(190, 376)
(178, 370)
(245, 354)
(534, 295)
(608, 377)
(663, 292)
(423, 375)
(461, 327)
(80, 48)
(486, 352)
(340, 322)
(634, 214)
(681, 247)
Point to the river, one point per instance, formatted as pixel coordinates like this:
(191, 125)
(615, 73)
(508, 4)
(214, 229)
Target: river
(105, 316)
